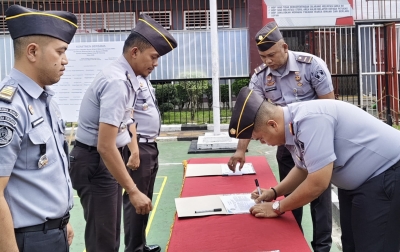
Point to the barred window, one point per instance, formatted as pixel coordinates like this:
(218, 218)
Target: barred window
(162, 17)
(3, 25)
(194, 20)
(105, 22)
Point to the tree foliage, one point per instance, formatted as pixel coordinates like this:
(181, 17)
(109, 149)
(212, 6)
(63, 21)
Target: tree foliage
(238, 84)
(194, 89)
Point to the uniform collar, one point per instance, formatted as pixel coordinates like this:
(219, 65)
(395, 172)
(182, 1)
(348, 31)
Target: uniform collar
(125, 65)
(292, 63)
(289, 137)
(30, 87)
(291, 66)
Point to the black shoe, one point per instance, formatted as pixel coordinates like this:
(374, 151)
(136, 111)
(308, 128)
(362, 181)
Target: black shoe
(152, 248)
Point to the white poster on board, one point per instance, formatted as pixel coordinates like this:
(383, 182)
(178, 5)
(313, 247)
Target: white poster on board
(305, 13)
(85, 60)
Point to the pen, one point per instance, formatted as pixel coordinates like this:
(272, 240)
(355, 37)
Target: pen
(233, 174)
(210, 210)
(258, 188)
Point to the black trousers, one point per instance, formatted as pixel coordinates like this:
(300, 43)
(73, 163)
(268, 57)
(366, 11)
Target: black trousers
(144, 178)
(370, 214)
(101, 199)
(321, 207)
(54, 240)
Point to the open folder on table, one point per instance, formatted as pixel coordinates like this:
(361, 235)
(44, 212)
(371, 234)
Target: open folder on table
(214, 205)
(197, 170)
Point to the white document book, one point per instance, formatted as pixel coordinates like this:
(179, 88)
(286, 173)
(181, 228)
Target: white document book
(246, 169)
(198, 170)
(214, 205)
(237, 203)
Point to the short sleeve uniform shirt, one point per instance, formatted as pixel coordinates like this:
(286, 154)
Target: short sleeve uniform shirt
(326, 131)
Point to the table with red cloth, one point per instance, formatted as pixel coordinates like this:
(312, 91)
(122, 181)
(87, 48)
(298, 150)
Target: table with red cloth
(239, 232)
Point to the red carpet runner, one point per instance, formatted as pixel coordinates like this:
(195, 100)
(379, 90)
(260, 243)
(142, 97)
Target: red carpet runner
(241, 232)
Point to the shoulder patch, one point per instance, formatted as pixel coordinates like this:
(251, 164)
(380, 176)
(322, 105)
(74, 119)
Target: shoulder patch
(9, 111)
(6, 135)
(7, 93)
(8, 120)
(260, 68)
(304, 59)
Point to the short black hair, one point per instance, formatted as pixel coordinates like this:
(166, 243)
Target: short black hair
(21, 43)
(265, 112)
(136, 40)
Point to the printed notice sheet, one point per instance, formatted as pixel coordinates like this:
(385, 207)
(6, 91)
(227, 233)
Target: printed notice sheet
(86, 60)
(237, 203)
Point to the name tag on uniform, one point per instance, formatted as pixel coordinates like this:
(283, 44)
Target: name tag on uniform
(142, 87)
(37, 122)
(269, 89)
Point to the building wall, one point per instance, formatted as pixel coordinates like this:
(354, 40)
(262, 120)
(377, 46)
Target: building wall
(191, 59)
(176, 7)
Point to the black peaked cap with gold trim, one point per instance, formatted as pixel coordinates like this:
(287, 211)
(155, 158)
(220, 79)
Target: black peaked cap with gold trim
(23, 22)
(244, 113)
(268, 36)
(157, 35)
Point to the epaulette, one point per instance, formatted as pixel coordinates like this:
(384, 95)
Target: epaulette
(304, 59)
(8, 91)
(260, 68)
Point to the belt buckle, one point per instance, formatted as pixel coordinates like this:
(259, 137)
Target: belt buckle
(64, 221)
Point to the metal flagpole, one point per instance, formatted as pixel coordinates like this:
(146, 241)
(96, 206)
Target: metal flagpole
(215, 66)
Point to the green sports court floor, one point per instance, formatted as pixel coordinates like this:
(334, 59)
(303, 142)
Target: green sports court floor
(168, 186)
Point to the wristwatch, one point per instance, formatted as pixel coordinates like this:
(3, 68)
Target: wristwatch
(276, 207)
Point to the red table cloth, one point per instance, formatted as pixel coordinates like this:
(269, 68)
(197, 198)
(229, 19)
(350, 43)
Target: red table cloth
(240, 232)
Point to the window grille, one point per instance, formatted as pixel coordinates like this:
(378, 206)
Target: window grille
(201, 19)
(162, 17)
(3, 25)
(104, 22)
(120, 21)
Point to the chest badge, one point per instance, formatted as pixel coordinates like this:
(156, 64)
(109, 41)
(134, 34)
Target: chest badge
(31, 110)
(145, 106)
(297, 76)
(270, 81)
(43, 161)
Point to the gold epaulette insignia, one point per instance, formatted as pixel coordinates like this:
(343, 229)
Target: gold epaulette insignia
(260, 68)
(7, 93)
(304, 59)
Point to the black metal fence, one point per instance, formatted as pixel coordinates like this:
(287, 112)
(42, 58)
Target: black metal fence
(337, 46)
(191, 100)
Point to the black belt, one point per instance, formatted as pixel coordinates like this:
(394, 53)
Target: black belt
(59, 223)
(90, 148)
(85, 146)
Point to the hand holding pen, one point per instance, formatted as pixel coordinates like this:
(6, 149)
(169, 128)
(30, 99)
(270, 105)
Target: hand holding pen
(263, 195)
(258, 191)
